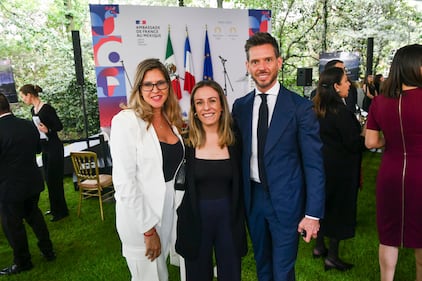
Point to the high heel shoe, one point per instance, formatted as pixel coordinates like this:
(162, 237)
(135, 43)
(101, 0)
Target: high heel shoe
(319, 253)
(336, 263)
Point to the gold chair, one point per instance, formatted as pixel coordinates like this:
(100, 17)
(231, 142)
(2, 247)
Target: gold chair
(90, 182)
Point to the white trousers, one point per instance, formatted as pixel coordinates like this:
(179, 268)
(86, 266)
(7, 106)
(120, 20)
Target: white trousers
(141, 268)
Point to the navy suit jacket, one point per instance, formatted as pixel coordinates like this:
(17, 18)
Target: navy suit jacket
(20, 177)
(292, 156)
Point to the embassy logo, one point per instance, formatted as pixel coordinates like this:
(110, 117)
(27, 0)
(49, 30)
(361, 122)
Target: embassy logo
(141, 21)
(145, 30)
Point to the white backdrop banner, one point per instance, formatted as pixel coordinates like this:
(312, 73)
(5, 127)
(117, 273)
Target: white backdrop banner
(124, 35)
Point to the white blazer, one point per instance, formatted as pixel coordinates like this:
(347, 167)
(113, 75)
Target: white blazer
(137, 172)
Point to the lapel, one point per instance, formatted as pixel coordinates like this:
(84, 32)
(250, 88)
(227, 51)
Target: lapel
(283, 112)
(246, 125)
(190, 180)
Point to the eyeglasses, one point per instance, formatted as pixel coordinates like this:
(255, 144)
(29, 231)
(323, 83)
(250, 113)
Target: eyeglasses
(160, 85)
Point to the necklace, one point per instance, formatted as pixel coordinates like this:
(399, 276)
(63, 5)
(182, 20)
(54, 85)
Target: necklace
(158, 125)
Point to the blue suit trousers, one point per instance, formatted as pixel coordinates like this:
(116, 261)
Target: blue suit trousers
(275, 244)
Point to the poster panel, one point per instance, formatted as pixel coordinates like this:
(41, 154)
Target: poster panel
(351, 61)
(124, 35)
(7, 81)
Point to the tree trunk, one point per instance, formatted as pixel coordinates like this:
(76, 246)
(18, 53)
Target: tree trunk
(324, 35)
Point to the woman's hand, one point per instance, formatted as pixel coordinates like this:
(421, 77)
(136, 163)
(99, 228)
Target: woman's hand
(153, 244)
(43, 128)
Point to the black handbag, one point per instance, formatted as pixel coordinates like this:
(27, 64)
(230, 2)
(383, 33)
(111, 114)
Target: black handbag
(180, 179)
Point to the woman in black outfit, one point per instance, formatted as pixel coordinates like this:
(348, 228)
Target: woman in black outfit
(343, 144)
(370, 91)
(52, 148)
(210, 217)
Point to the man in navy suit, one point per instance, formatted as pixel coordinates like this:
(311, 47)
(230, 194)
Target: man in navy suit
(20, 185)
(284, 179)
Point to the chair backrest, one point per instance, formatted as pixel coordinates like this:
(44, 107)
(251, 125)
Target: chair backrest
(85, 165)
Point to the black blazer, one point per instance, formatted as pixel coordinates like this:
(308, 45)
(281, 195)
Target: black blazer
(189, 224)
(20, 176)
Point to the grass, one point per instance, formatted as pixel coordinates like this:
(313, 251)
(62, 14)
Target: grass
(89, 249)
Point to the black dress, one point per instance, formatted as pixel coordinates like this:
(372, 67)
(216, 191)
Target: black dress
(342, 152)
(53, 160)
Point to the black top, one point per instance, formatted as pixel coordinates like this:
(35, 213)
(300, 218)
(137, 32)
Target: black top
(172, 156)
(49, 118)
(213, 178)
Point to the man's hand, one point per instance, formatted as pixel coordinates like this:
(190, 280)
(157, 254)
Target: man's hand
(309, 228)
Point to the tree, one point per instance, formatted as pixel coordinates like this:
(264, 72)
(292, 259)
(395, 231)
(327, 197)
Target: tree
(305, 28)
(37, 39)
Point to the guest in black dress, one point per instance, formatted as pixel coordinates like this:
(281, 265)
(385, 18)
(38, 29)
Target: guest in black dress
(48, 123)
(211, 215)
(343, 144)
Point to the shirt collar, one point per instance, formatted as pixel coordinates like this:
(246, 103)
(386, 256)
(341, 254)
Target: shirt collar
(273, 91)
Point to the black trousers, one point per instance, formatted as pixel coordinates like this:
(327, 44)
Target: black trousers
(216, 237)
(12, 215)
(53, 164)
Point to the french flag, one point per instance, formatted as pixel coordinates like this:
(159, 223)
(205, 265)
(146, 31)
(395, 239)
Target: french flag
(189, 77)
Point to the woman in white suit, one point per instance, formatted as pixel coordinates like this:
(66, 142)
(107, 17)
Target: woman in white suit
(147, 149)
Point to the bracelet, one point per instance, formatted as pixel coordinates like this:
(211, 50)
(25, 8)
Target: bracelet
(150, 234)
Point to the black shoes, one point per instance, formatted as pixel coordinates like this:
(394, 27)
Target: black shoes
(336, 263)
(319, 253)
(15, 269)
(49, 256)
(59, 217)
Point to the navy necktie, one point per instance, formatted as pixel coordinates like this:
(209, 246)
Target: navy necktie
(262, 136)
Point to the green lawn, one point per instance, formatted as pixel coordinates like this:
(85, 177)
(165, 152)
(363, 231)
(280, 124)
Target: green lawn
(89, 249)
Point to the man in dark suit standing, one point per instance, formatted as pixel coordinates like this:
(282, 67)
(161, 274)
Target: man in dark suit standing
(282, 163)
(20, 185)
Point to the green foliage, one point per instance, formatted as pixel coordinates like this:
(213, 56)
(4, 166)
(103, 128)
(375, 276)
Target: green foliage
(304, 30)
(40, 47)
(73, 113)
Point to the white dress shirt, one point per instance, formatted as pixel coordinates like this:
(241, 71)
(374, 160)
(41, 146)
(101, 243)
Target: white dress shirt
(271, 100)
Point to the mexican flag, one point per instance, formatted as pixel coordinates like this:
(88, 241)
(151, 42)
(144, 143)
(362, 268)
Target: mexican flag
(170, 64)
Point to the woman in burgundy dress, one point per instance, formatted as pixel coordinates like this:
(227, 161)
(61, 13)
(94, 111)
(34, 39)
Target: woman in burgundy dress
(397, 114)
